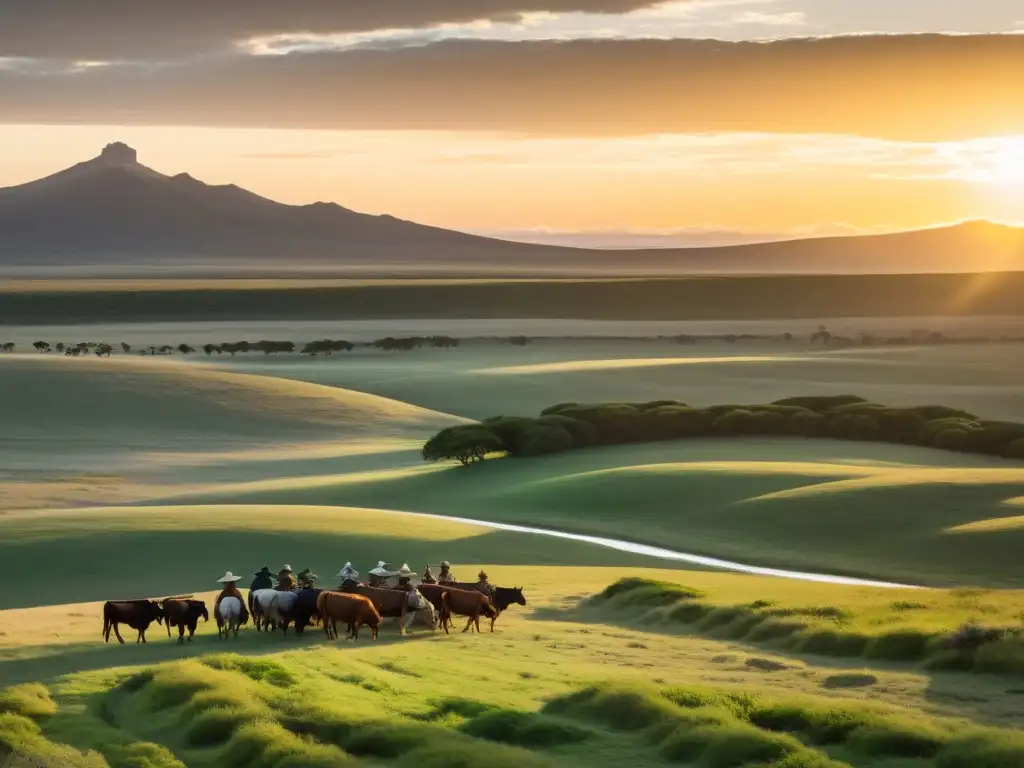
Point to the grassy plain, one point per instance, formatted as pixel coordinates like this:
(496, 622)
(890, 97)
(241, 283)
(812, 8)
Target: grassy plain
(254, 462)
(553, 687)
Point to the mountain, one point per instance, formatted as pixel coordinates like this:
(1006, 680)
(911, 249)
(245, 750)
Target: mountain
(114, 214)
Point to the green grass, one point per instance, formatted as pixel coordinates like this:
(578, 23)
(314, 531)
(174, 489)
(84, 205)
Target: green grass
(897, 513)
(207, 712)
(976, 630)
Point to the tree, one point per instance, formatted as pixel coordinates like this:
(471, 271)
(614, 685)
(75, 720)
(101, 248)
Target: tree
(466, 444)
(103, 350)
(185, 349)
(821, 335)
(41, 346)
(60, 346)
(126, 348)
(209, 349)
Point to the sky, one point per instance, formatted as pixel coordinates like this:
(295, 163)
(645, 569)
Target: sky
(598, 122)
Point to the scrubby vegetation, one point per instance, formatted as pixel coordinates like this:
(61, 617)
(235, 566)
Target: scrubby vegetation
(569, 426)
(200, 714)
(966, 630)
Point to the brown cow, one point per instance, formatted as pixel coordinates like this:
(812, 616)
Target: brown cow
(353, 610)
(501, 597)
(137, 614)
(182, 612)
(464, 603)
(400, 604)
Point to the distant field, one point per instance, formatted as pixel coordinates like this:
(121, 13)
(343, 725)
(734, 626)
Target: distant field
(714, 298)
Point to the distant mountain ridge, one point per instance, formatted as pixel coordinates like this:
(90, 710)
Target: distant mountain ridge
(114, 213)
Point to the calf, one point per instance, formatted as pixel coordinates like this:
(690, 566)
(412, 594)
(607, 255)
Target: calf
(182, 613)
(137, 614)
(464, 603)
(352, 610)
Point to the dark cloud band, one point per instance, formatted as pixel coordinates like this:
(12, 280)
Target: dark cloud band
(925, 88)
(120, 29)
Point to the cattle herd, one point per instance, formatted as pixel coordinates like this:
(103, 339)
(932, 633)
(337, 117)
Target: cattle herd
(352, 605)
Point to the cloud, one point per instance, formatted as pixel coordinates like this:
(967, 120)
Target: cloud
(914, 88)
(147, 29)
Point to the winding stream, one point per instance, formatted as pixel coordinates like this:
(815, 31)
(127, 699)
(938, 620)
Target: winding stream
(666, 554)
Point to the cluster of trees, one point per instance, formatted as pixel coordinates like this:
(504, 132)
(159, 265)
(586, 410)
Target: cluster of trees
(569, 426)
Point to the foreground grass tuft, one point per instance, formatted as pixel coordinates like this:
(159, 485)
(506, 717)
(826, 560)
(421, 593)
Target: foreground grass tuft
(932, 632)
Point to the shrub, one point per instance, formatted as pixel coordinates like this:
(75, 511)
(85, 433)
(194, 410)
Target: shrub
(750, 422)
(805, 424)
(932, 412)
(540, 439)
(995, 437)
(820, 403)
(675, 421)
(952, 440)
(935, 427)
(614, 422)
(583, 434)
(853, 426)
(466, 444)
(901, 425)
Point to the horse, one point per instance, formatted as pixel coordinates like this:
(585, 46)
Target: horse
(229, 617)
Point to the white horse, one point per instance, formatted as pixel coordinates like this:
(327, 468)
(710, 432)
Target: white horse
(229, 617)
(419, 608)
(275, 608)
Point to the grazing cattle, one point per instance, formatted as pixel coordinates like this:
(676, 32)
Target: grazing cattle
(433, 593)
(274, 608)
(229, 617)
(137, 614)
(463, 603)
(352, 610)
(182, 612)
(304, 612)
(501, 597)
(399, 604)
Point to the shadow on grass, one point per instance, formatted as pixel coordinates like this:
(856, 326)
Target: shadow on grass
(53, 661)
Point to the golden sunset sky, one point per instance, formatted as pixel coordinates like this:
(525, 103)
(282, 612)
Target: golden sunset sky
(691, 122)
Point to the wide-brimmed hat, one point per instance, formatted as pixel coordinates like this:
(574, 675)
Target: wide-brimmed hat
(264, 572)
(286, 569)
(348, 572)
(445, 564)
(404, 571)
(381, 570)
(228, 578)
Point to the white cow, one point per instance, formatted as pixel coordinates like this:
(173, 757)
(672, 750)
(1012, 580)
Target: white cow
(274, 608)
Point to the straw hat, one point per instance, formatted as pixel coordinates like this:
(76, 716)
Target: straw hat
(228, 578)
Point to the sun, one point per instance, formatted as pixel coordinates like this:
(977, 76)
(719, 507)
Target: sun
(1003, 165)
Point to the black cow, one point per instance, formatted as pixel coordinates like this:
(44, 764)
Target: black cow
(182, 613)
(137, 614)
(305, 613)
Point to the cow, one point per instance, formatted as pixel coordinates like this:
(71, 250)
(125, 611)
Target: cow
(404, 605)
(274, 608)
(466, 603)
(501, 597)
(352, 610)
(182, 612)
(229, 617)
(304, 613)
(137, 614)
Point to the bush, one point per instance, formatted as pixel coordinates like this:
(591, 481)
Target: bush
(853, 426)
(901, 425)
(540, 439)
(952, 440)
(821, 403)
(675, 421)
(995, 437)
(750, 422)
(614, 422)
(583, 434)
(466, 444)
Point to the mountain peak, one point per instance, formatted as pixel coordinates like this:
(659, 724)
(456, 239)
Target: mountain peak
(118, 153)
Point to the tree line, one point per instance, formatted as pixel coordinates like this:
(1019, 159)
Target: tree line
(571, 426)
(267, 347)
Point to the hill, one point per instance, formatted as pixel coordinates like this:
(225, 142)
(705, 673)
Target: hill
(111, 212)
